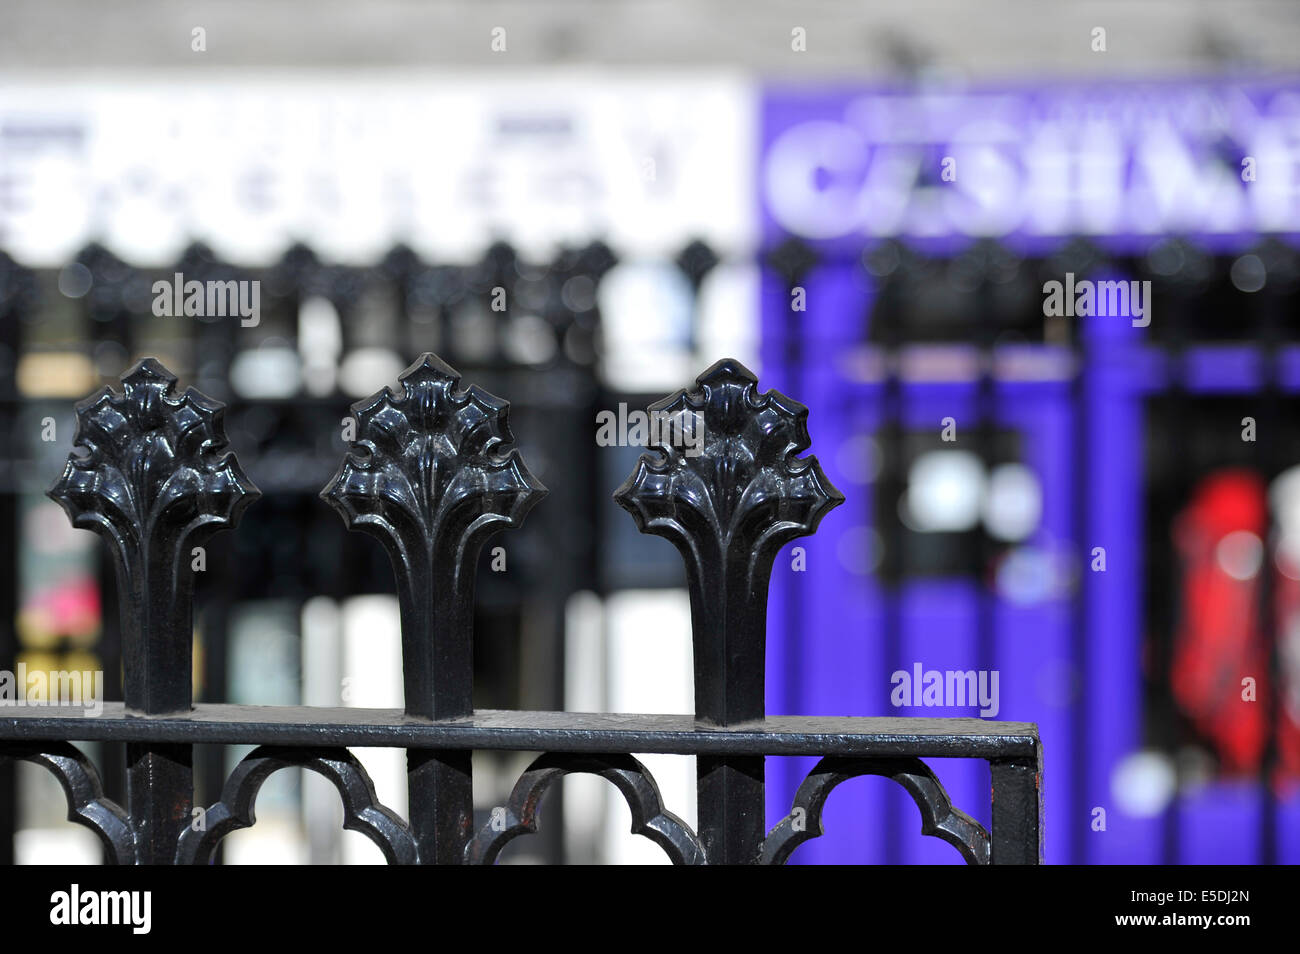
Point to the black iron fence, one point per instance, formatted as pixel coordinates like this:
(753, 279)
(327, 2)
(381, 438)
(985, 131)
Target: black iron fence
(432, 473)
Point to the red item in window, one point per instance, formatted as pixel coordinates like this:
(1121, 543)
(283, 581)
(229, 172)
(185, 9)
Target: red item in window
(1220, 537)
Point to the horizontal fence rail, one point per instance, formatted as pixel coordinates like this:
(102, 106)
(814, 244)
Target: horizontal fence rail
(432, 473)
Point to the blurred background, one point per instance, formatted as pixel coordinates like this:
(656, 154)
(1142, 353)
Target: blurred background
(863, 205)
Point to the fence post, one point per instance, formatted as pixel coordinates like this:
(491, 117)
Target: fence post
(1017, 836)
(155, 481)
(432, 474)
(722, 482)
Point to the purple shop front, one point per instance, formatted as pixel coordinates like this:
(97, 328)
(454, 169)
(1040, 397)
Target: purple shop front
(1124, 167)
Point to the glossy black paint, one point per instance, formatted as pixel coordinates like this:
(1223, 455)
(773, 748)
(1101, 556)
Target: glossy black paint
(729, 509)
(432, 474)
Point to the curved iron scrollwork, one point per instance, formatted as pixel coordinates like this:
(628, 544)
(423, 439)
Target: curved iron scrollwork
(938, 816)
(81, 785)
(361, 809)
(629, 776)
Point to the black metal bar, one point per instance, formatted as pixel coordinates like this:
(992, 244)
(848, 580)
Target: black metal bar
(524, 731)
(112, 760)
(433, 479)
(8, 654)
(1178, 394)
(18, 303)
(729, 509)
(1017, 811)
(440, 788)
(1080, 608)
(159, 797)
(730, 803)
(696, 260)
(154, 482)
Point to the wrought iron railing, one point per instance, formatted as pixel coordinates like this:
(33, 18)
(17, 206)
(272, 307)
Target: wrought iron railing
(432, 474)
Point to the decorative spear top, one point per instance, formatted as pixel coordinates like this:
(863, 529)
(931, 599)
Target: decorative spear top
(722, 482)
(155, 480)
(432, 475)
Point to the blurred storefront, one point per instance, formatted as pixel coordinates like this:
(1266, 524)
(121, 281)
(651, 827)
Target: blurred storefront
(1101, 509)
(1044, 534)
